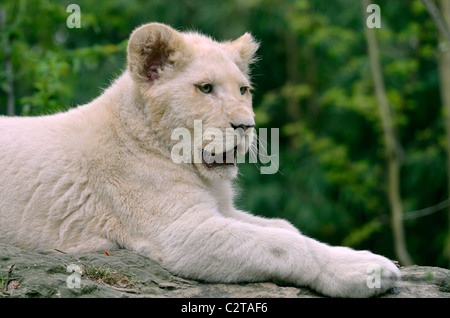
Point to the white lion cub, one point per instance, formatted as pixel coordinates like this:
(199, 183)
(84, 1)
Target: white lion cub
(101, 176)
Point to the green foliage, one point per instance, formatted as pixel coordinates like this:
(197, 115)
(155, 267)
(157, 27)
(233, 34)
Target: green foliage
(313, 82)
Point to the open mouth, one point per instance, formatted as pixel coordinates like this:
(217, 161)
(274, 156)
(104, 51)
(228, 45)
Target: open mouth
(211, 160)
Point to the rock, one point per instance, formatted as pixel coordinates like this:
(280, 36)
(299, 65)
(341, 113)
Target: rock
(123, 273)
(422, 282)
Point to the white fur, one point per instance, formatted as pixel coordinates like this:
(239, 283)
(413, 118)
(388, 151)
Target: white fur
(101, 176)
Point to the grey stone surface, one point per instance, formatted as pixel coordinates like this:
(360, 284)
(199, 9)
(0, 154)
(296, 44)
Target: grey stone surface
(26, 274)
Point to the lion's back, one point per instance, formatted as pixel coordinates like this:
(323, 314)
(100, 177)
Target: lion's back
(37, 180)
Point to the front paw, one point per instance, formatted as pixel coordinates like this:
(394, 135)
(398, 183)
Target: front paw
(350, 273)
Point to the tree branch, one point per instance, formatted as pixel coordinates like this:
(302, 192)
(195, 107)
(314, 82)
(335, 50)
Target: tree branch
(438, 19)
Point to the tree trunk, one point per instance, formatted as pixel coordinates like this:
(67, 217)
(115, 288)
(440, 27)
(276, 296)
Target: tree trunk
(11, 107)
(444, 74)
(392, 153)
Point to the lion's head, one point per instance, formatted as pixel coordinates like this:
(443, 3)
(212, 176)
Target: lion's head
(189, 82)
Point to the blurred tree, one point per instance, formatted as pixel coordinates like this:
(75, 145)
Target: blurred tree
(8, 28)
(444, 71)
(392, 147)
(442, 22)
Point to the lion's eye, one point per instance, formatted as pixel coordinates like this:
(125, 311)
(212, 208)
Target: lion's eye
(205, 88)
(244, 89)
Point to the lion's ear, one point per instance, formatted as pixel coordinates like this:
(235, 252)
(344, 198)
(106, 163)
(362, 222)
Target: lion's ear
(243, 51)
(151, 48)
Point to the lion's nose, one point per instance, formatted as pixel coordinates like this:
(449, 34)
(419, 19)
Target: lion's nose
(242, 126)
